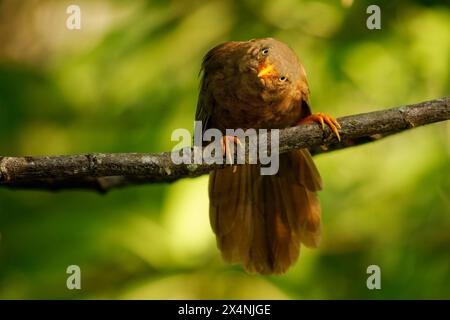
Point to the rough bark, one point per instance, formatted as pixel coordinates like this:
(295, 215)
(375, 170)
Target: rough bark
(103, 172)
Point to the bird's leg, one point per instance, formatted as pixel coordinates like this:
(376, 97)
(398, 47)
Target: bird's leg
(226, 147)
(323, 118)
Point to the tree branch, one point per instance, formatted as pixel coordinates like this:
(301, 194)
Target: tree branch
(103, 171)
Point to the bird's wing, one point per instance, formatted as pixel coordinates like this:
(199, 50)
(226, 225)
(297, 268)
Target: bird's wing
(303, 87)
(205, 106)
(212, 69)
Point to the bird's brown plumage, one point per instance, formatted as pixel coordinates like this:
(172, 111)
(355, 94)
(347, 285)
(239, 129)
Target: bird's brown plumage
(260, 221)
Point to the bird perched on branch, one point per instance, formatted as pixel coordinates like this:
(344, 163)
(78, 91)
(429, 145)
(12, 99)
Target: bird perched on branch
(261, 220)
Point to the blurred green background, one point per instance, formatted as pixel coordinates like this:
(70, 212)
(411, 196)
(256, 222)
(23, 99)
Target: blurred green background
(129, 77)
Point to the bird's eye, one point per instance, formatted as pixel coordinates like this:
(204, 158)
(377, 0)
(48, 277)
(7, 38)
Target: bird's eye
(265, 51)
(283, 78)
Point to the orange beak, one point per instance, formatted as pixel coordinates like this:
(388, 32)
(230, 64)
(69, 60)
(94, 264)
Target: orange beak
(265, 70)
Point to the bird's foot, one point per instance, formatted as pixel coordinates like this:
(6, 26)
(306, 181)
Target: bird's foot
(323, 118)
(226, 149)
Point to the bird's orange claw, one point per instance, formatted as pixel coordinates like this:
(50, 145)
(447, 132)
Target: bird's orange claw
(323, 118)
(226, 147)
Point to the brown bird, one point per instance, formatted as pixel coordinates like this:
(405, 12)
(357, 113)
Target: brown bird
(260, 220)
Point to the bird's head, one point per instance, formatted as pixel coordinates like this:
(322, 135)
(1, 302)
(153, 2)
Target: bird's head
(274, 65)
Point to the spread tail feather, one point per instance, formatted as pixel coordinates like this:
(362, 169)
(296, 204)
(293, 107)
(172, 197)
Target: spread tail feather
(260, 221)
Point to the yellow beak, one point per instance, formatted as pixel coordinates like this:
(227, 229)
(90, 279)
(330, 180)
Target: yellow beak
(265, 71)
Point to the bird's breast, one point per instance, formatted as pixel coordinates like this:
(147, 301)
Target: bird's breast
(238, 111)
